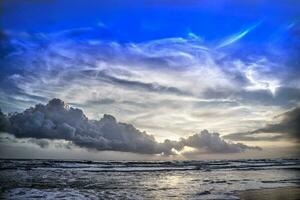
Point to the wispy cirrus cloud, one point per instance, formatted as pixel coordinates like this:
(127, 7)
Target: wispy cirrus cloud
(236, 37)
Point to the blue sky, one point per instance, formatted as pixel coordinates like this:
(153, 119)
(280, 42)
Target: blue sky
(136, 21)
(171, 68)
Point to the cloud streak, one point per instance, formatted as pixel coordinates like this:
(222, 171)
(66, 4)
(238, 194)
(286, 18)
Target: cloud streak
(287, 128)
(236, 37)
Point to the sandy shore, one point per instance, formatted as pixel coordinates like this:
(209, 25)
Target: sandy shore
(287, 193)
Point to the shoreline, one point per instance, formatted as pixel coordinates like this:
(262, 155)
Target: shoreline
(286, 193)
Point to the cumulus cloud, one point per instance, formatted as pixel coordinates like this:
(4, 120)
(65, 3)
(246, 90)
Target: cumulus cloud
(4, 122)
(287, 128)
(57, 120)
(214, 143)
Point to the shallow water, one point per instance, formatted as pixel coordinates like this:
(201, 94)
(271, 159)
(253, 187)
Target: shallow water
(50, 179)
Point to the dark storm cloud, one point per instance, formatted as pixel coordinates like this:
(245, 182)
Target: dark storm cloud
(56, 120)
(4, 122)
(288, 128)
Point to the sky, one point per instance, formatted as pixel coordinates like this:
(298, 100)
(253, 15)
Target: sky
(149, 79)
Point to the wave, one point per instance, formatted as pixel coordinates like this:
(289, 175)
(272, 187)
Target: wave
(128, 166)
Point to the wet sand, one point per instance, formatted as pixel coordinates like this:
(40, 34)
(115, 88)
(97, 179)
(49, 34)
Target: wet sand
(286, 193)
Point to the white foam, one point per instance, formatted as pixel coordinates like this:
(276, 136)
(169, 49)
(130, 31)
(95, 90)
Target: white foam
(30, 193)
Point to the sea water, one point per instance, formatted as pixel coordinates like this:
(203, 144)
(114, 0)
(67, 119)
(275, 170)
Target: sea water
(58, 179)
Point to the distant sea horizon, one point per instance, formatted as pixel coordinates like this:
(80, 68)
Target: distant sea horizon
(215, 179)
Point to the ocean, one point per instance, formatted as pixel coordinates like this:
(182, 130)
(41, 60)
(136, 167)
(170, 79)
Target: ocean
(218, 179)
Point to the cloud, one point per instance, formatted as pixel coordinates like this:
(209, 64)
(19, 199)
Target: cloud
(177, 77)
(57, 120)
(151, 87)
(234, 38)
(11, 140)
(40, 142)
(4, 122)
(287, 128)
(212, 142)
(285, 96)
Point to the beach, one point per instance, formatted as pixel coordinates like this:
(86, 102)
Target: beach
(286, 193)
